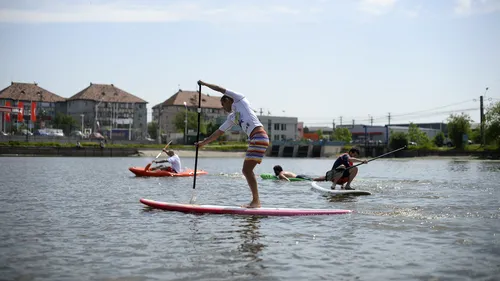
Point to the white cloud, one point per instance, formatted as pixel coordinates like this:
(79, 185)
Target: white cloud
(377, 7)
(144, 11)
(469, 7)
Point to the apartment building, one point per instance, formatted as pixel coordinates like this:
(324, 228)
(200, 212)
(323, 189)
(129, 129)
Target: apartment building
(35, 107)
(107, 109)
(164, 113)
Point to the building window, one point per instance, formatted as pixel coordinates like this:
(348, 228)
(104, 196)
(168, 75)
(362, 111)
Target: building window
(276, 127)
(269, 126)
(283, 127)
(277, 137)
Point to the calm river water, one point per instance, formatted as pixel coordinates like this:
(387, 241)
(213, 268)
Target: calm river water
(81, 219)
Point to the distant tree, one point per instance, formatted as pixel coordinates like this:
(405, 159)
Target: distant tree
(458, 125)
(398, 140)
(416, 135)
(64, 122)
(153, 129)
(342, 134)
(306, 130)
(320, 134)
(192, 118)
(439, 139)
(493, 124)
(475, 135)
(212, 127)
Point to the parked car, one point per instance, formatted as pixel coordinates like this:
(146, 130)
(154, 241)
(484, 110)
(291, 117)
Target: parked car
(24, 132)
(41, 132)
(77, 134)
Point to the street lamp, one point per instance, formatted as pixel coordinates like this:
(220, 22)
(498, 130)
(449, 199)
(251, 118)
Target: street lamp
(83, 116)
(27, 120)
(96, 107)
(40, 111)
(185, 123)
(160, 110)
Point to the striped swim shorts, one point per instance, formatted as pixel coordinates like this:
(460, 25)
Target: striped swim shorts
(257, 146)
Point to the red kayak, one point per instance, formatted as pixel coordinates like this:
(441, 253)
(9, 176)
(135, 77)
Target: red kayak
(141, 172)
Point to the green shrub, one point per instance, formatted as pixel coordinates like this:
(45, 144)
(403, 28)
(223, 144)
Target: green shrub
(398, 140)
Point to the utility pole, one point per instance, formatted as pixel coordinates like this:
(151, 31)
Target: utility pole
(389, 117)
(340, 120)
(353, 123)
(371, 120)
(260, 111)
(481, 110)
(483, 118)
(333, 125)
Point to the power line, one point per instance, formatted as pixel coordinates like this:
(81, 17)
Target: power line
(390, 117)
(399, 117)
(427, 110)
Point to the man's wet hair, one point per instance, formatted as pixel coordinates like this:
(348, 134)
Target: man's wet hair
(354, 150)
(277, 169)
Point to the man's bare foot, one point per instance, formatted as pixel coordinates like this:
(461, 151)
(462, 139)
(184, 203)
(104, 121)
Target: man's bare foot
(252, 205)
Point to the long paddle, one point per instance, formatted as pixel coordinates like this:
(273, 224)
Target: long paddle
(380, 156)
(149, 165)
(331, 174)
(193, 196)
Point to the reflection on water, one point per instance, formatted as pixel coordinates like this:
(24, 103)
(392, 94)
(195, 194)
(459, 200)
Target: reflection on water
(459, 166)
(250, 237)
(489, 166)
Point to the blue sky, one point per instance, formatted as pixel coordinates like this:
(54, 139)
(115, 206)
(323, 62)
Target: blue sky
(316, 60)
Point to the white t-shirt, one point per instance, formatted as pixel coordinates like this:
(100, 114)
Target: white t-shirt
(242, 114)
(175, 161)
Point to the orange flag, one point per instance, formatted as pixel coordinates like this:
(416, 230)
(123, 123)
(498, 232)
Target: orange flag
(33, 110)
(7, 117)
(20, 105)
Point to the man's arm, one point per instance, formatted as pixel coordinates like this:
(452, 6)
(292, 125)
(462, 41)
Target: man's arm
(160, 161)
(352, 159)
(282, 177)
(213, 87)
(215, 135)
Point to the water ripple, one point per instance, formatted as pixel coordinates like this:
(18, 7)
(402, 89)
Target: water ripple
(80, 219)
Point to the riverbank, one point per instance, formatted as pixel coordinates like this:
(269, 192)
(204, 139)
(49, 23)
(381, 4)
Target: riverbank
(192, 153)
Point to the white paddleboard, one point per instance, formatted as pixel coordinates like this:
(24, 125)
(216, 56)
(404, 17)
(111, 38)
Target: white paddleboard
(317, 187)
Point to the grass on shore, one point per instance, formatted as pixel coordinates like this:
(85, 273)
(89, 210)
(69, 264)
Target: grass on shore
(231, 146)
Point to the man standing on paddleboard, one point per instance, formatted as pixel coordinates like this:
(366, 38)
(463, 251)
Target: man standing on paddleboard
(241, 114)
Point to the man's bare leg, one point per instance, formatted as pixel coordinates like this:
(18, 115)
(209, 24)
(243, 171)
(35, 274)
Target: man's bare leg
(352, 174)
(248, 166)
(335, 180)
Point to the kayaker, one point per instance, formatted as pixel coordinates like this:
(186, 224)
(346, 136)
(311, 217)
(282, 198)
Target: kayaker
(339, 174)
(285, 175)
(173, 159)
(240, 113)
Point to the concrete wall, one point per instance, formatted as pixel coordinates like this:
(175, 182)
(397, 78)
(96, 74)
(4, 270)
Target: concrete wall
(68, 151)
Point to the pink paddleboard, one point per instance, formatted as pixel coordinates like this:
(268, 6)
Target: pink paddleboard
(214, 209)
